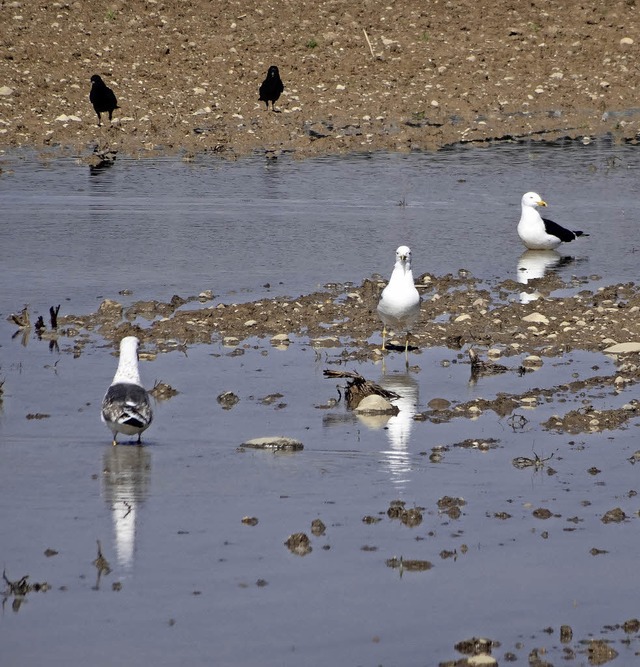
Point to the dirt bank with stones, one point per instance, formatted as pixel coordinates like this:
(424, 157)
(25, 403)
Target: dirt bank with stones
(362, 75)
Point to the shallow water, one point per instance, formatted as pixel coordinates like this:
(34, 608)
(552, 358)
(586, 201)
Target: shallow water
(161, 227)
(199, 586)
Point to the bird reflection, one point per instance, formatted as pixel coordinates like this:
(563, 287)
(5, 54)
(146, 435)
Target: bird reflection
(535, 264)
(126, 477)
(398, 426)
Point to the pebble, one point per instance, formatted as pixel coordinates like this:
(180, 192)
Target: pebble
(63, 118)
(626, 41)
(462, 318)
(280, 339)
(536, 317)
(230, 341)
(375, 404)
(481, 660)
(532, 360)
(623, 348)
(5, 91)
(327, 341)
(278, 442)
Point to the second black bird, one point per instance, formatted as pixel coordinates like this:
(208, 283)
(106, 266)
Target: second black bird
(102, 97)
(271, 87)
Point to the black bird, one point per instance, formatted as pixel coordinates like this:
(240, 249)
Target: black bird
(102, 97)
(271, 87)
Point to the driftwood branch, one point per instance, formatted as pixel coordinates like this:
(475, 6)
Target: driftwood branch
(53, 314)
(358, 387)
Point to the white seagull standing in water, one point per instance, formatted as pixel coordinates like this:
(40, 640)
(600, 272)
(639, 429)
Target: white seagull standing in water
(126, 407)
(399, 305)
(538, 233)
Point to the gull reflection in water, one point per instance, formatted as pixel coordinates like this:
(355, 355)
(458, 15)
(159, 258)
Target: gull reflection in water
(535, 264)
(126, 475)
(398, 426)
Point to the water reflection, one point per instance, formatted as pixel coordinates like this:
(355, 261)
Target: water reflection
(126, 477)
(535, 264)
(399, 426)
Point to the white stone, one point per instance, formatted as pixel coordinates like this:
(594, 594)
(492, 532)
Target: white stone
(5, 91)
(536, 317)
(375, 404)
(463, 317)
(623, 348)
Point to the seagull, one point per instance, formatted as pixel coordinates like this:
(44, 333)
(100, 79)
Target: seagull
(271, 88)
(102, 97)
(538, 233)
(126, 407)
(399, 304)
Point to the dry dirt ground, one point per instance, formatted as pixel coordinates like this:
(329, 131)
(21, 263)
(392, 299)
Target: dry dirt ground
(359, 76)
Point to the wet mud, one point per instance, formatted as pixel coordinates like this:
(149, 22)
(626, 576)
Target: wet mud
(472, 320)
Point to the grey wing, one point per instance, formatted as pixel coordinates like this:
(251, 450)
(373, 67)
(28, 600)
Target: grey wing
(127, 404)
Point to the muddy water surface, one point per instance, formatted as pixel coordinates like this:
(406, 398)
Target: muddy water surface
(188, 581)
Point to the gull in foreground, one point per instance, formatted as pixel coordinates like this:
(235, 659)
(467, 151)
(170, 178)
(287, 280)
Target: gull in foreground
(538, 233)
(126, 407)
(399, 305)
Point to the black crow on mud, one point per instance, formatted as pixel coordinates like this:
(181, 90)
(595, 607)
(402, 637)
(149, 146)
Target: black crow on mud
(102, 97)
(271, 87)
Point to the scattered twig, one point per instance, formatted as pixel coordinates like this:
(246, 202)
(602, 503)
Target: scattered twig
(373, 55)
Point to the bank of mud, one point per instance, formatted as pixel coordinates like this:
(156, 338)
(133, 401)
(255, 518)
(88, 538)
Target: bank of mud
(480, 324)
(358, 76)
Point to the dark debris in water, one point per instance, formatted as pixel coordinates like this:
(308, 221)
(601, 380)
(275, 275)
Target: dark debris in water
(19, 589)
(299, 544)
(162, 391)
(403, 564)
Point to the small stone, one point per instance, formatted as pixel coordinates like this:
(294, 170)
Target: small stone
(250, 323)
(299, 544)
(230, 341)
(626, 41)
(623, 348)
(439, 404)
(536, 317)
(462, 318)
(5, 91)
(327, 341)
(280, 339)
(481, 660)
(275, 443)
(376, 405)
(532, 361)
(227, 399)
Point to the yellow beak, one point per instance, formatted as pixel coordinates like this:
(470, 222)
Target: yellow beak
(542, 203)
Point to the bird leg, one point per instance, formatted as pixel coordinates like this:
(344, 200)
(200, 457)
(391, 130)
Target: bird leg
(114, 443)
(384, 335)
